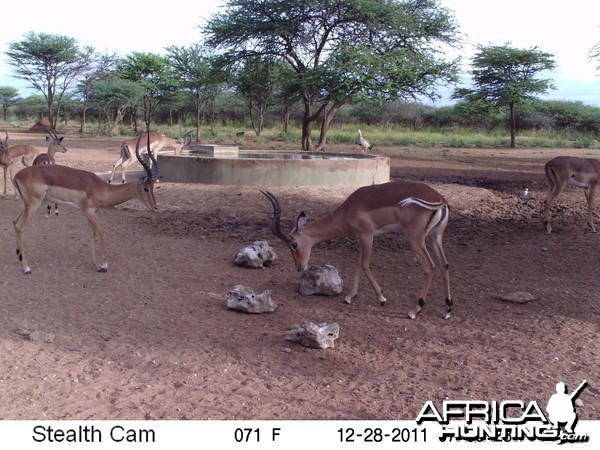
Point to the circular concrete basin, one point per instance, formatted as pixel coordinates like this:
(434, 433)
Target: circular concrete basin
(230, 166)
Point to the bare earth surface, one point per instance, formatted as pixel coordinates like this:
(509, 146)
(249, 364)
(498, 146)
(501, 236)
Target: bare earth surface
(153, 339)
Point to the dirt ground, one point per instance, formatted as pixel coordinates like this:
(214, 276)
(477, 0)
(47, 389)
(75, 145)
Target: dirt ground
(153, 339)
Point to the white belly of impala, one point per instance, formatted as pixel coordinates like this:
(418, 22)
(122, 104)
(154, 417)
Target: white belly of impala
(579, 184)
(58, 201)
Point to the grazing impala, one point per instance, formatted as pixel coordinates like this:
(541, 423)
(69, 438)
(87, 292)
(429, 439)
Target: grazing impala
(415, 209)
(579, 172)
(10, 156)
(80, 189)
(157, 142)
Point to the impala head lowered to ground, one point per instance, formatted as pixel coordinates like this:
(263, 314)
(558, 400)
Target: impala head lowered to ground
(415, 209)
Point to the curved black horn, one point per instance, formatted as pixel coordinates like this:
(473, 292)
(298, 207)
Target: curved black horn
(276, 221)
(52, 133)
(187, 138)
(139, 158)
(154, 175)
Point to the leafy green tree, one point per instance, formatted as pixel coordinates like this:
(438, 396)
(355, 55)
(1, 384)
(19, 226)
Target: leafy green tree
(103, 68)
(50, 63)
(114, 97)
(257, 82)
(154, 73)
(194, 67)
(9, 96)
(506, 77)
(31, 106)
(340, 50)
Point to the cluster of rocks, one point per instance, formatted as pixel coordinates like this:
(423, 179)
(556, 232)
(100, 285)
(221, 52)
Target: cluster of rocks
(323, 280)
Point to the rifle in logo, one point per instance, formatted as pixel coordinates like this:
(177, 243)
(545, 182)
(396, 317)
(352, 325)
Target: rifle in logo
(561, 408)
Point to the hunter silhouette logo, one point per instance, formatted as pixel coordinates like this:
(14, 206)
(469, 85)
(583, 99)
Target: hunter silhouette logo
(561, 407)
(509, 420)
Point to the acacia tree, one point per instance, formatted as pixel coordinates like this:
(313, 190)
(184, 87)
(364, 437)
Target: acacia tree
(9, 96)
(340, 50)
(103, 68)
(194, 67)
(506, 77)
(154, 73)
(50, 63)
(114, 97)
(258, 82)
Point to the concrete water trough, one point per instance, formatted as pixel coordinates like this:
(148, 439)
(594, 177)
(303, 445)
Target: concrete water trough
(227, 165)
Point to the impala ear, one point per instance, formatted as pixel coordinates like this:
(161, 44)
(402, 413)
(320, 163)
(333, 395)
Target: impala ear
(300, 222)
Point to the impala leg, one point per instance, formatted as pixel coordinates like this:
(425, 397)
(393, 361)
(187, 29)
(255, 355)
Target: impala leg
(19, 225)
(97, 232)
(8, 173)
(5, 179)
(363, 262)
(114, 169)
(49, 210)
(354, 290)
(553, 191)
(438, 251)
(125, 164)
(589, 195)
(418, 247)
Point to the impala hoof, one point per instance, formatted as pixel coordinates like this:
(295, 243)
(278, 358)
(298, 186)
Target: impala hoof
(412, 314)
(103, 269)
(347, 300)
(27, 272)
(447, 315)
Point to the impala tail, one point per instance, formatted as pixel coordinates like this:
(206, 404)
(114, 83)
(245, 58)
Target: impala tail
(422, 203)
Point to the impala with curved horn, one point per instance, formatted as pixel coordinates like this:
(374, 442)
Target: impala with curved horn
(79, 189)
(157, 142)
(415, 209)
(54, 145)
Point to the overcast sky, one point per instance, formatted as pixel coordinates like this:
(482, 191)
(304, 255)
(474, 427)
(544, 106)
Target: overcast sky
(568, 30)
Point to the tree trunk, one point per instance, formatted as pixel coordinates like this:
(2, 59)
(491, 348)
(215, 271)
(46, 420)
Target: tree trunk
(83, 118)
(285, 118)
(325, 126)
(513, 125)
(307, 144)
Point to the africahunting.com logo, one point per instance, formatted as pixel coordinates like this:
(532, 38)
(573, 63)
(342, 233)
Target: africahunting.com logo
(510, 420)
